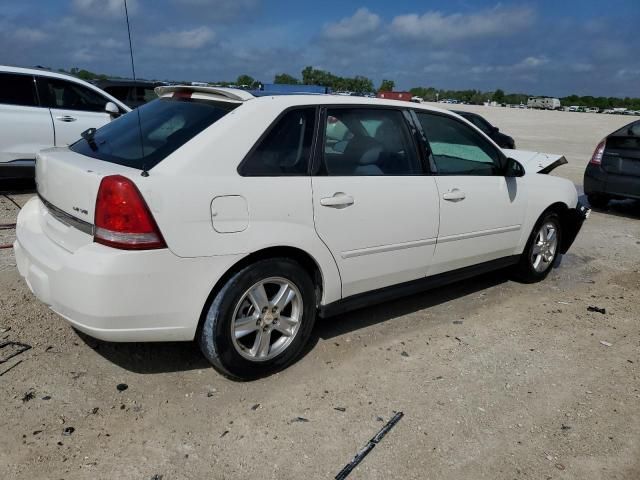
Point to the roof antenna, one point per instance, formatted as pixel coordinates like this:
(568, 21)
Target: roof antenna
(133, 70)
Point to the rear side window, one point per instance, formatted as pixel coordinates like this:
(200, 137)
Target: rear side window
(457, 149)
(165, 125)
(18, 90)
(368, 142)
(286, 148)
(70, 96)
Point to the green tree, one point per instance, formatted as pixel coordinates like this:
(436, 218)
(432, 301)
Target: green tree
(245, 80)
(498, 96)
(286, 79)
(387, 86)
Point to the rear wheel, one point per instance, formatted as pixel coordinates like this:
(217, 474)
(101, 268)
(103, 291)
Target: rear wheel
(260, 320)
(598, 200)
(542, 249)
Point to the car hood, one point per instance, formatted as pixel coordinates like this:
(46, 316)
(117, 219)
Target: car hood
(536, 162)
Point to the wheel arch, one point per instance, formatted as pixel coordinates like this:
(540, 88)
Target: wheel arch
(306, 260)
(568, 222)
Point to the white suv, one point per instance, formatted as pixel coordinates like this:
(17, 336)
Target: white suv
(41, 109)
(234, 220)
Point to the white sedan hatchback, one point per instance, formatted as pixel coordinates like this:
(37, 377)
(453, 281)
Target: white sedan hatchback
(234, 220)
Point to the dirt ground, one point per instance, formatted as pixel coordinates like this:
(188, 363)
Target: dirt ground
(496, 379)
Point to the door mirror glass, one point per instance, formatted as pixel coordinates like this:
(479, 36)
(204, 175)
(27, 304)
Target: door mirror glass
(112, 109)
(514, 168)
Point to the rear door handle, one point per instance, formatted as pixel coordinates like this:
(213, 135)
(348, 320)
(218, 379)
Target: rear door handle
(66, 118)
(338, 200)
(454, 195)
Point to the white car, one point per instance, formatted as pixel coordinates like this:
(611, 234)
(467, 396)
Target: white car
(234, 220)
(41, 109)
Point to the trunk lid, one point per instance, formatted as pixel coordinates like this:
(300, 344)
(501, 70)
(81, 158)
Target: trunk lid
(67, 184)
(622, 155)
(536, 162)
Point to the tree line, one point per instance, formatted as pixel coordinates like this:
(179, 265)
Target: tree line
(363, 85)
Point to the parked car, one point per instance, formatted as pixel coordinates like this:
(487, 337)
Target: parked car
(130, 92)
(614, 169)
(232, 221)
(503, 140)
(41, 109)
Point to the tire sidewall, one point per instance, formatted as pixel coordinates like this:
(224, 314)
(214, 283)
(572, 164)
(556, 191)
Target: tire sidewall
(215, 335)
(531, 273)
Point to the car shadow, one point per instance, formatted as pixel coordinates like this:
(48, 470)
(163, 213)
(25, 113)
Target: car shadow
(619, 208)
(167, 357)
(142, 357)
(327, 328)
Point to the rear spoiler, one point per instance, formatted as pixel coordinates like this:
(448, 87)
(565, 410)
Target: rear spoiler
(234, 94)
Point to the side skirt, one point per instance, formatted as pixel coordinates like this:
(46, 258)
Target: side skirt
(415, 286)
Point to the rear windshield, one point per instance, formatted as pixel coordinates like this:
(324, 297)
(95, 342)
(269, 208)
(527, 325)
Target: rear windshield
(165, 125)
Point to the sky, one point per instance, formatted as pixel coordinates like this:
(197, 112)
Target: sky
(545, 47)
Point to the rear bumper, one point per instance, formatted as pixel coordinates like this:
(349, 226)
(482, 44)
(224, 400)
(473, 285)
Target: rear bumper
(115, 295)
(17, 169)
(574, 218)
(598, 181)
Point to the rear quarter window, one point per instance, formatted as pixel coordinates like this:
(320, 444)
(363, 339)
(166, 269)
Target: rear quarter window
(164, 125)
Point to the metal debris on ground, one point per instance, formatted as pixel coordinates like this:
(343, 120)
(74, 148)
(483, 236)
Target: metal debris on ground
(68, 431)
(606, 344)
(28, 396)
(596, 309)
(7, 353)
(348, 468)
(340, 409)
(300, 419)
(122, 387)
(11, 367)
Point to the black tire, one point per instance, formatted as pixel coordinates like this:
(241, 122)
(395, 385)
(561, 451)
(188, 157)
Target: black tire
(215, 333)
(598, 200)
(525, 271)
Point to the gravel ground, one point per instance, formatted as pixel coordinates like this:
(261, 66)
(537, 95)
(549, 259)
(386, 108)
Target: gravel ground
(496, 379)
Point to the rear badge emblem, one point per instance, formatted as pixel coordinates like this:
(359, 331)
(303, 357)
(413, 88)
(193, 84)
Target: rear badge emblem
(81, 210)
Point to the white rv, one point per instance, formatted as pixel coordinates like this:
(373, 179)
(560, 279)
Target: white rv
(546, 103)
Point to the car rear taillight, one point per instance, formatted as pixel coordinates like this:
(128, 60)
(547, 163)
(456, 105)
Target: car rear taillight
(123, 219)
(596, 159)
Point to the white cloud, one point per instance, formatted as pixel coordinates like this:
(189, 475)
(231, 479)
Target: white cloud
(532, 63)
(438, 27)
(360, 23)
(104, 8)
(185, 39)
(29, 35)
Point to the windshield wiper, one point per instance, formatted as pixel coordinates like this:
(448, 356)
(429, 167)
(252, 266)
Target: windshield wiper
(88, 135)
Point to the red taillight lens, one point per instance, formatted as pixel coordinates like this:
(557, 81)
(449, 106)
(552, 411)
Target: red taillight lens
(596, 159)
(122, 218)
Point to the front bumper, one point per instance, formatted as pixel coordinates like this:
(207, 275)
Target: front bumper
(116, 295)
(574, 218)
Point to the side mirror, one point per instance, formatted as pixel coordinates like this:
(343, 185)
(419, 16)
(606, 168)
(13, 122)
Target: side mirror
(112, 109)
(514, 169)
(496, 129)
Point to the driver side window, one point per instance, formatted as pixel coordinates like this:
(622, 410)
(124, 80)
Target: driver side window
(457, 149)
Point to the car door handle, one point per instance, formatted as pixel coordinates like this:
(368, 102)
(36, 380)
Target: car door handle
(454, 195)
(338, 200)
(66, 118)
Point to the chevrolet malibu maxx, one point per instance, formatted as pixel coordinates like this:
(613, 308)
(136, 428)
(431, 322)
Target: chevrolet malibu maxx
(235, 220)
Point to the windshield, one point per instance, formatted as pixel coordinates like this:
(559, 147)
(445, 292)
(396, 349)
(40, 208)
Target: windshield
(166, 125)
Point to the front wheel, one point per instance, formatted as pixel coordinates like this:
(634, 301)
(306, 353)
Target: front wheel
(541, 251)
(260, 320)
